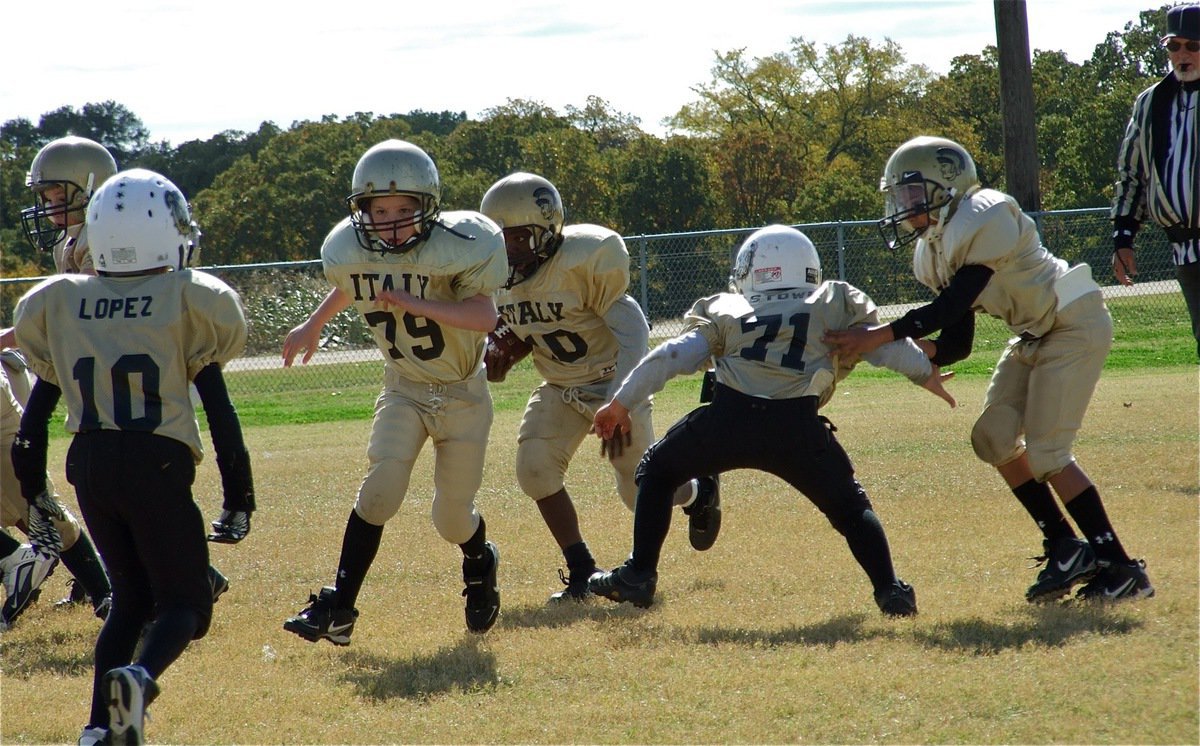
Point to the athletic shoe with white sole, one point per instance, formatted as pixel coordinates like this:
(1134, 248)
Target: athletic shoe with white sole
(625, 584)
(1069, 561)
(321, 620)
(24, 572)
(130, 691)
(1117, 581)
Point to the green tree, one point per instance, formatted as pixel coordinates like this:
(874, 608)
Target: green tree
(279, 205)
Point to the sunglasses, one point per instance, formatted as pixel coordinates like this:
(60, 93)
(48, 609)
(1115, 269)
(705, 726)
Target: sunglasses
(1174, 46)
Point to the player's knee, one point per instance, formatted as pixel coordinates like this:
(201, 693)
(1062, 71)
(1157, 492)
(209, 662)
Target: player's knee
(996, 436)
(382, 491)
(846, 513)
(1046, 462)
(455, 520)
(537, 472)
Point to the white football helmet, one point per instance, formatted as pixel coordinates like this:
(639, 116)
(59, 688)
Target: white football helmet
(388, 168)
(923, 176)
(527, 205)
(139, 221)
(776, 257)
(77, 164)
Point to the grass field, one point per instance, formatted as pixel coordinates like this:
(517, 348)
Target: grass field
(771, 636)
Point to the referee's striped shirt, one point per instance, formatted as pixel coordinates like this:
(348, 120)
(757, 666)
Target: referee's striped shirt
(1158, 166)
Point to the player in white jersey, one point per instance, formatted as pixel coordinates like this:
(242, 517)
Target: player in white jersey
(423, 281)
(566, 298)
(121, 349)
(979, 252)
(772, 375)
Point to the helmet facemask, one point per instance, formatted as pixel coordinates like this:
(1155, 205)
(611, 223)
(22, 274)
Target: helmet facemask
(904, 204)
(44, 222)
(389, 169)
(528, 247)
(374, 235)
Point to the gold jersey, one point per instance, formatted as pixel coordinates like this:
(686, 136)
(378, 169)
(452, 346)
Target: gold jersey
(560, 309)
(444, 267)
(125, 349)
(768, 344)
(989, 229)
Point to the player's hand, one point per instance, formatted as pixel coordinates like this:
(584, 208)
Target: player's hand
(1124, 266)
(614, 427)
(613, 448)
(8, 338)
(935, 385)
(854, 342)
(304, 338)
(231, 527)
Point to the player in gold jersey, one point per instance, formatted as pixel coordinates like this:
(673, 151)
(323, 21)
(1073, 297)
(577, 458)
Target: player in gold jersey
(423, 281)
(772, 375)
(121, 349)
(979, 252)
(566, 296)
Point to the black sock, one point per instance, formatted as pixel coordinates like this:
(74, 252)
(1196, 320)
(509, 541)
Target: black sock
(359, 546)
(1038, 501)
(869, 545)
(579, 556)
(651, 522)
(474, 547)
(81, 559)
(1088, 512)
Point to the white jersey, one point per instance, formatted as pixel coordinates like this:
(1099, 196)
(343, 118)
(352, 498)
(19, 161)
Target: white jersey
(444, 267)
(769, 344)
(124, 350)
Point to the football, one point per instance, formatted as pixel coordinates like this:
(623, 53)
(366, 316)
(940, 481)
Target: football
(504, 350)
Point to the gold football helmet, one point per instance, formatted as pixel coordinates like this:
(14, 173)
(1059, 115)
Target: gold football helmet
(923, 175)
(76, 164)
(530, 211)
(394, 167)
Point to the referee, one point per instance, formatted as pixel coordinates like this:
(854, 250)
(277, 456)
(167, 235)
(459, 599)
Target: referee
(1157, 172)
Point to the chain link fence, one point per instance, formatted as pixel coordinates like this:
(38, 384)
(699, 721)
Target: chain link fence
(668, 272)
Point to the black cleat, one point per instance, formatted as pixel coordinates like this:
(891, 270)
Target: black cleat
(218, 582)
(704, 514)
(898, 599)
(576, 585)
(231, 527)
(1069, 561)
(625, 584)
(482, 591)
(1117, 581)
(321, 621)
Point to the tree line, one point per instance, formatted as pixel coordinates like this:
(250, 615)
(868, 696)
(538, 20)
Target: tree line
(797, 136)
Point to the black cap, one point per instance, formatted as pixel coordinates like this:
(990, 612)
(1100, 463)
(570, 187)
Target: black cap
(1183, 21)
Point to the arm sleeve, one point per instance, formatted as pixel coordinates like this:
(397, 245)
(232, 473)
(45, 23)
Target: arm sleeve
(683, 354)
(1129, 203)
(904, 357)
(948, 307)
(955, 341)
(628, 324)
(233, 460)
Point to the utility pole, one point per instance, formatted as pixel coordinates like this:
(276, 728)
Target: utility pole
(1016, 104)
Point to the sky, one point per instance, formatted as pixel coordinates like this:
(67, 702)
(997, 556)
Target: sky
(190, 69)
